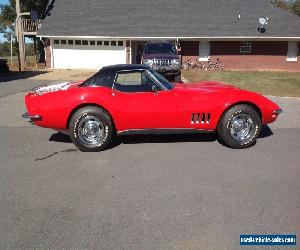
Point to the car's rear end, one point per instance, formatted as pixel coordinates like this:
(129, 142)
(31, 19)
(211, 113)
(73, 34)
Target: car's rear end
(49, 106)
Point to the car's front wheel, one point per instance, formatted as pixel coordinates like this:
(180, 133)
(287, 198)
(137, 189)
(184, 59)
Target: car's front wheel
(239, 127)
(91, 129)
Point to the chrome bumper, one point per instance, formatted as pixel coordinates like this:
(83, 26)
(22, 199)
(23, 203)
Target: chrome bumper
(278, 112)
(32, 118)
(165, 70)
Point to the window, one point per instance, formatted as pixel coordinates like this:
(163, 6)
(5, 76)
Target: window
(78, 42)
(292, 54)
(204, 51)
(99, 43)
(132, 81)
(157, 47)
(106, 43)
(102, 78)
(84, 42)
(120, 43)
(92, 42)
(56, 42)
(113, 43)
(245, 47)
(63, 42)
(70, 42)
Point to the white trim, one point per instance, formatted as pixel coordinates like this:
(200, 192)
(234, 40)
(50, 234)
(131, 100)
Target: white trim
(130, 52)
(51, 53)
(188, 38)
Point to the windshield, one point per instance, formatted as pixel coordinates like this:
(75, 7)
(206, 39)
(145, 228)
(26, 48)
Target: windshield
(162, 80)
(164, 48)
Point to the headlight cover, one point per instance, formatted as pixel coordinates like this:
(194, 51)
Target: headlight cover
(176, 61)
(148, 62)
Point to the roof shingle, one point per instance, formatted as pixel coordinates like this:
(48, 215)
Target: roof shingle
(167, 18)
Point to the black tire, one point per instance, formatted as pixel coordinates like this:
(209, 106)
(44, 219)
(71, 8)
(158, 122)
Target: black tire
(177, 78)
(91, 129)
(239, 127)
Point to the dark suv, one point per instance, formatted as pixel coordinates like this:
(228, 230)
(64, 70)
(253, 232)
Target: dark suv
(162, 57)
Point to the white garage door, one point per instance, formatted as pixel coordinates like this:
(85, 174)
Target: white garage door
(87, 54)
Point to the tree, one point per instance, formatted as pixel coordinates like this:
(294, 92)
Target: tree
(7, 18)
(296, 7)
(8, 15)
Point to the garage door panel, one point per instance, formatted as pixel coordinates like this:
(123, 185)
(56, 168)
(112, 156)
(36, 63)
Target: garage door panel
(88, 58)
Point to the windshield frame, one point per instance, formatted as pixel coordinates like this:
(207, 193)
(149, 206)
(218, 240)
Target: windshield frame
(161, 80)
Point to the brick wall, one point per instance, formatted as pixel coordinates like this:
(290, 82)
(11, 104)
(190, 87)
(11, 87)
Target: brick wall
(265, 56)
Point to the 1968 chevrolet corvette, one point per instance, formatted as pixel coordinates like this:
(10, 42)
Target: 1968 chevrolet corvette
(131, 99)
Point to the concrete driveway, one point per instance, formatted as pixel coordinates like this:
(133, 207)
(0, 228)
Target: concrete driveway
(146, 192)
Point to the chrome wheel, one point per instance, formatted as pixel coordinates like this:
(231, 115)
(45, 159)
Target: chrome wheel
(91, 131)
(242, 128)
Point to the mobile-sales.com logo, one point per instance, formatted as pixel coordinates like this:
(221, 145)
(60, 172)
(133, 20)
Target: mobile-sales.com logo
(268, 240)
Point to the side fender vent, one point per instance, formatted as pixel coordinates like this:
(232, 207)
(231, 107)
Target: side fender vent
(200, 118)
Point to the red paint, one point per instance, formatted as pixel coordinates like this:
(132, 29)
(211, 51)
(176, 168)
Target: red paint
(166, 109)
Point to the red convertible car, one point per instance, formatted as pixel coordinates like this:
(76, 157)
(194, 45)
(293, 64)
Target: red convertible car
(131, 99)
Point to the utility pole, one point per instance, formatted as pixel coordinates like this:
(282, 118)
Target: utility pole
(11, 49)
(20, 36)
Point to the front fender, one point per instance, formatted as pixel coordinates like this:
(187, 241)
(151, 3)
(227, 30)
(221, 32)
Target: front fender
(266, 108)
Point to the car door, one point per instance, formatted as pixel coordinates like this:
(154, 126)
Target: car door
(140, 102)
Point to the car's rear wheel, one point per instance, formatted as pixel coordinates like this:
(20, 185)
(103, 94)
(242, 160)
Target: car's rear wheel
(91, 129)
(239, 126)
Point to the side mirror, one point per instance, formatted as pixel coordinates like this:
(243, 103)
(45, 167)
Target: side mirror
(154, 88)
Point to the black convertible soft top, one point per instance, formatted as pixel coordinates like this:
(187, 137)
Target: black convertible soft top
(105, 76)
(119, 67)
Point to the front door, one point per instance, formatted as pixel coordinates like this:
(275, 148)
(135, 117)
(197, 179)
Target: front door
(139, 105)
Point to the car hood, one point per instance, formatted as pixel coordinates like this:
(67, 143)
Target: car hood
(202, 86)
(160, 56)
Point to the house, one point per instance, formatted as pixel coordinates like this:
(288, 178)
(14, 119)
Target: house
(92, 34)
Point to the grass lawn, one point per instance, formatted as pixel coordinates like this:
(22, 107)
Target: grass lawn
(267, 83)
(30, 60)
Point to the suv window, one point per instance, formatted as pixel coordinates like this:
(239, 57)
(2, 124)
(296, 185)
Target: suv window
(165, 48)
(132, 81)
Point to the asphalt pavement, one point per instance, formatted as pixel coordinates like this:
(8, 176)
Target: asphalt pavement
(145, 192)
